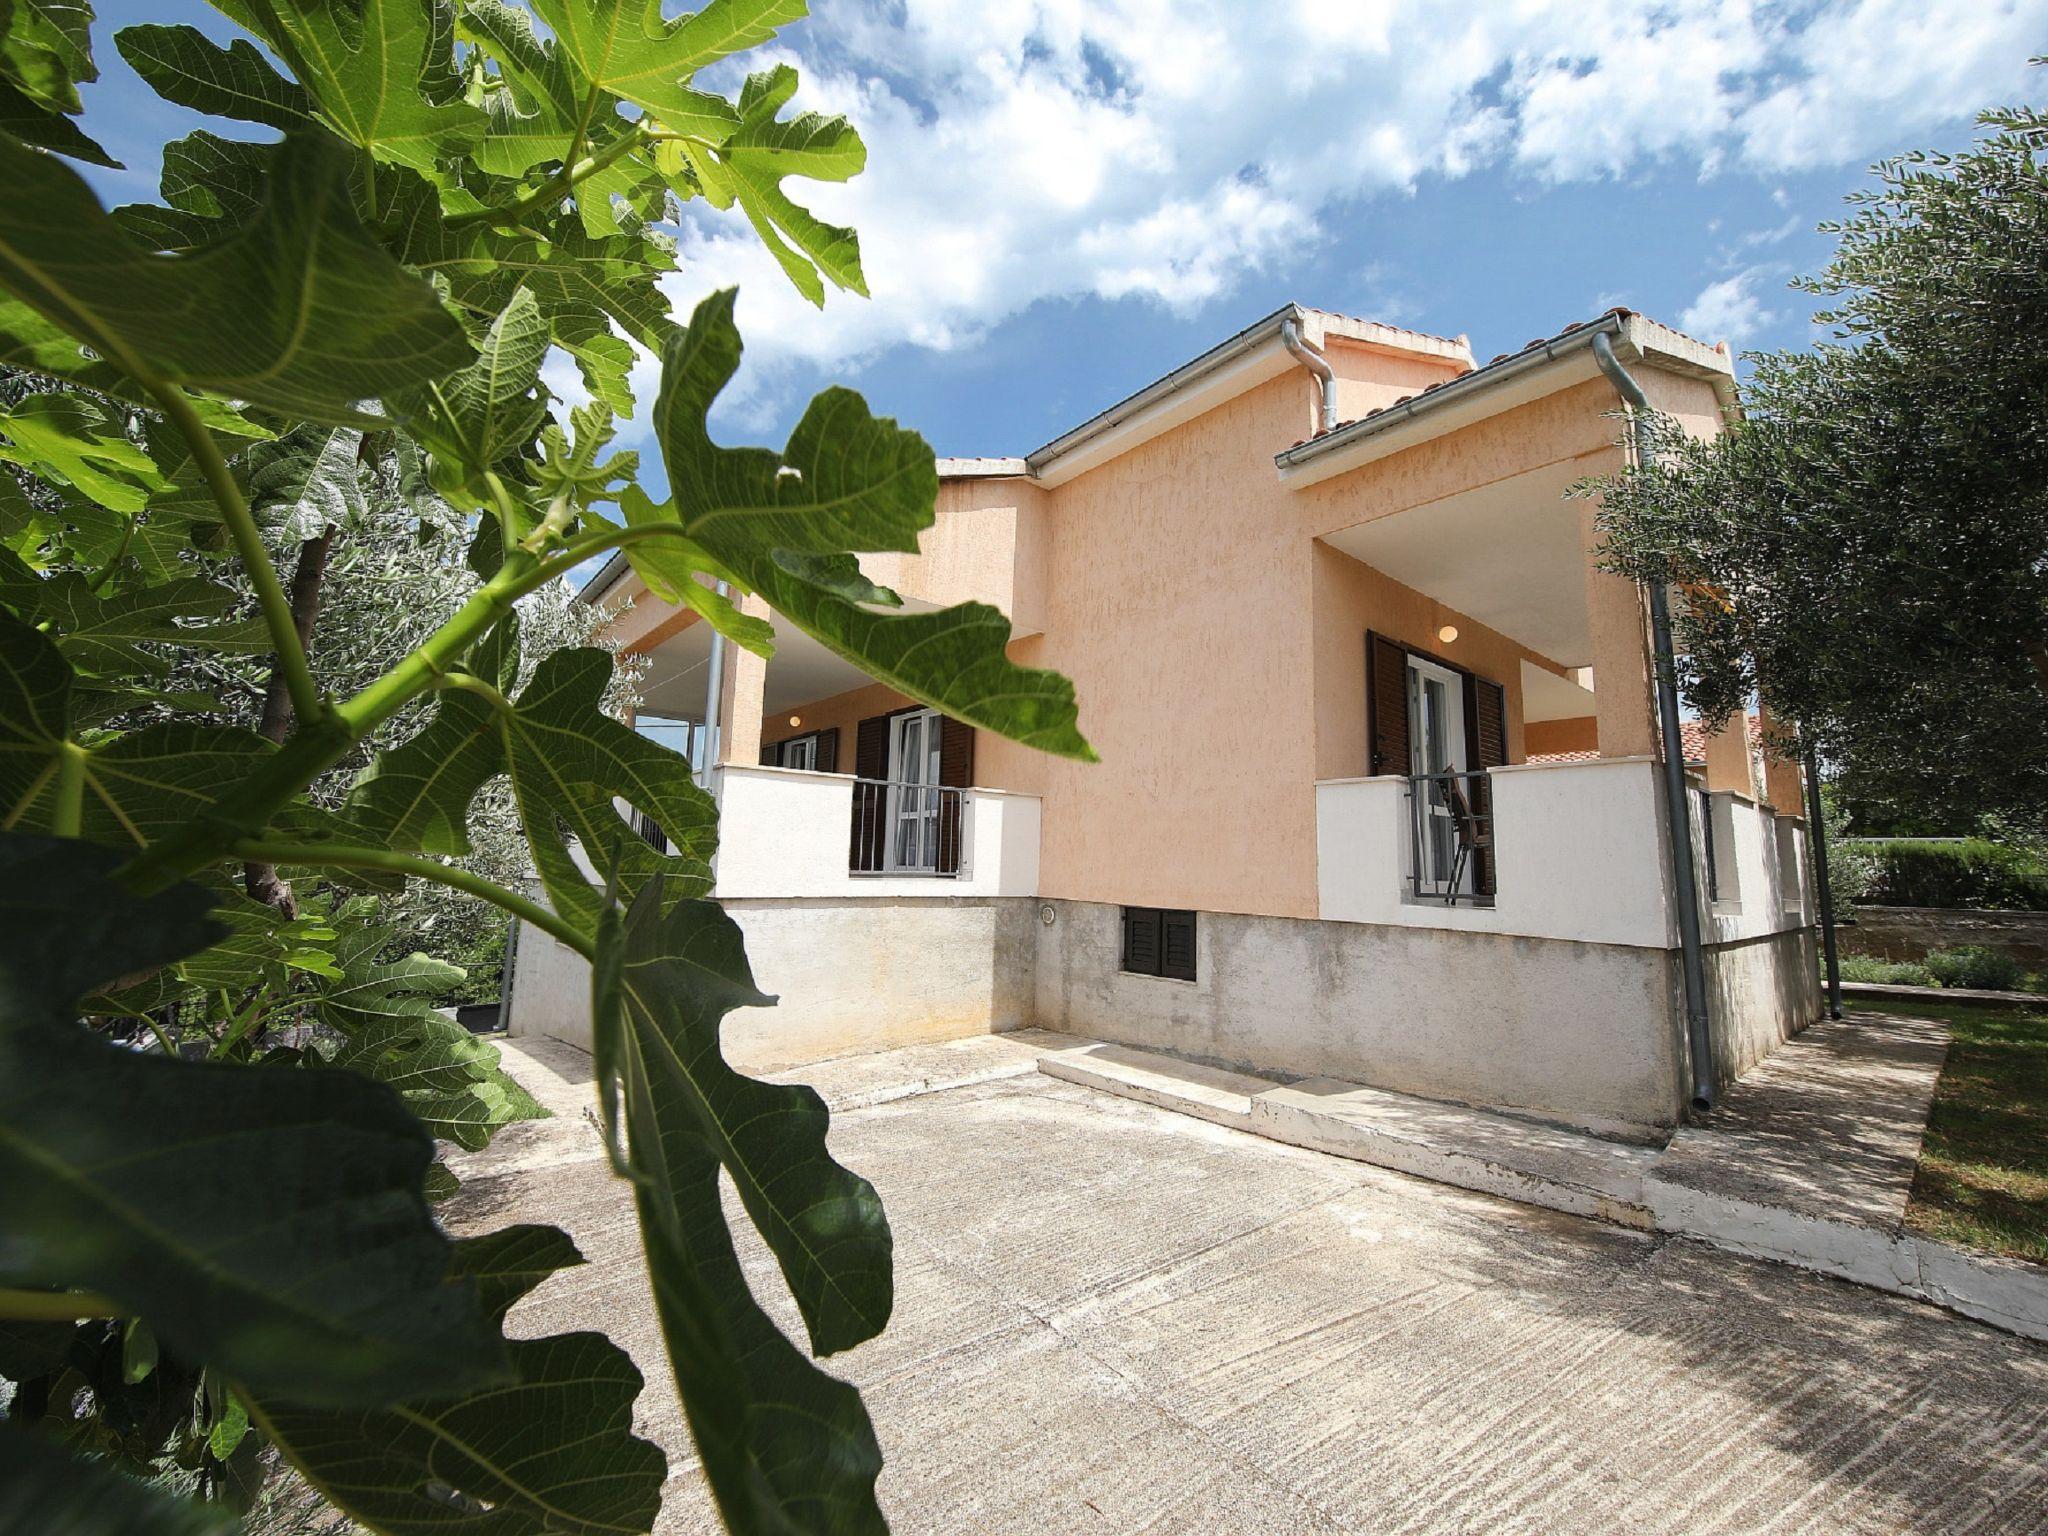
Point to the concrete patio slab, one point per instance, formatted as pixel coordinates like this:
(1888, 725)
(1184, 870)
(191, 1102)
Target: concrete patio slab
(1115, 1319)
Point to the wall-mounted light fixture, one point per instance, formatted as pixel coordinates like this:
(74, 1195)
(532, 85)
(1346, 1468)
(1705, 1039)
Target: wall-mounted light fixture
(796, 719)
(1448, 633)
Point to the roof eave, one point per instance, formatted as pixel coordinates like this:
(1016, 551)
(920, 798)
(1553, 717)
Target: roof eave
(1636, 339)
(607, 575)
(1040, 462)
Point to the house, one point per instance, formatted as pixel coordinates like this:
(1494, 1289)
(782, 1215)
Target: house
(1380, 794)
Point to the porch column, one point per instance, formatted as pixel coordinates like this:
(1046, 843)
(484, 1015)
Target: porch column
(1624, 698)
(1728, 759)
(746, 686)
(1783, 789)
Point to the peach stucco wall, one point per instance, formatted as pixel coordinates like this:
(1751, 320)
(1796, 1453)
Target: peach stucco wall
(987, 545)
(842, 712)
(1578, 735)
(1351, 598)
(1218, 648)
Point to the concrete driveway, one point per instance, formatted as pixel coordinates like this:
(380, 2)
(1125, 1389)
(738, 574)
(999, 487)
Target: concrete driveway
(1115, 1319)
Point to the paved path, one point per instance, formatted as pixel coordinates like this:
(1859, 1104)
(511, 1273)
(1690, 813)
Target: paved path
(1115, 1319)
(1828, 1126)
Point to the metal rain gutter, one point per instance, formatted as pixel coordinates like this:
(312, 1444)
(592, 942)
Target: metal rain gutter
(1224, 353)
(609, 572)
(1677, 803)
(1315, 363)
(1448, 394)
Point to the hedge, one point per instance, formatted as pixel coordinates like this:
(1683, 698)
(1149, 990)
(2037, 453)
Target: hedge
(1963, 872)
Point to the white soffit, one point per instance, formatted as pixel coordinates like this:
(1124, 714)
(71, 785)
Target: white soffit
(1507, 555)
(1546, 696)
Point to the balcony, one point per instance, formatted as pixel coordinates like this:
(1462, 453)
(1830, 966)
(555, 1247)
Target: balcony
(1557, 850)
(787, 832)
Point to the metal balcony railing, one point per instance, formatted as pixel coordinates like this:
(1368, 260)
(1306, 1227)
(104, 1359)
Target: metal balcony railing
(908, 829)
(1450, 829)
(650, 834)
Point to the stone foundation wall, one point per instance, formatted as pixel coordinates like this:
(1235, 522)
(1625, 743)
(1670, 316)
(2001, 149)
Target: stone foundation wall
(1907, 933)
(1584, 1033)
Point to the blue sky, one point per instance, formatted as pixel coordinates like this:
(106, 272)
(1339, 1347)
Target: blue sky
(1067, 198)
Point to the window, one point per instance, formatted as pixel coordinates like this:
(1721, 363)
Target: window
(1159, 942)
(669, 731)
(800, 752)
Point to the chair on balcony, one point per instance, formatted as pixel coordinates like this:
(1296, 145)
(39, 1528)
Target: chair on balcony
(1474, 833)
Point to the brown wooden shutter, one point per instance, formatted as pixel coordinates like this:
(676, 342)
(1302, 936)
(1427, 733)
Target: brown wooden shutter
(1386, 706)
(1486, 725)
(828, 750)
(1177, 945)
(956, 768)
(771, 754)
(1141, 940)
(869, 837)
(1490, 728)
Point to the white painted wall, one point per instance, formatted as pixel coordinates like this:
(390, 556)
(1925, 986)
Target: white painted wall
(1579, 855)
(849, 977)
(1578, 851)
(784, 832)
(1761, 893)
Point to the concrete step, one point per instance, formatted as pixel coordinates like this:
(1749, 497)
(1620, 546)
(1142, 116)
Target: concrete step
(1497, 1154)
(1474, 1149)
(1207, 1093)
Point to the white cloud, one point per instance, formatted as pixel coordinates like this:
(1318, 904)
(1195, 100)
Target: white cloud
(1729, 310)
(1022, 150)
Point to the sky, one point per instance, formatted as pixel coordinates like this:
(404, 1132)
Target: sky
(1066, 199)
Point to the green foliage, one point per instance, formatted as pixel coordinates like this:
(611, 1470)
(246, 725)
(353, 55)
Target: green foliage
(1959, 872)
(785, 1446)
(381, 76)
(784, 524)
(43, 1489)
(45, 54)
(286, 518)
(300, 311)
(1890, 973)
(265, 1203)
(1972, 965)
(1869, 546)
(515, 1452)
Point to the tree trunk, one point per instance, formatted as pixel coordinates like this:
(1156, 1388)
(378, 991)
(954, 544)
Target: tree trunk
(262, 880)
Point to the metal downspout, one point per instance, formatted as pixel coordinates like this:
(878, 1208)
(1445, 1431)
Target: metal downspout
(1677, 803)
(714, 701)
(1315, 363)
(1817, 839)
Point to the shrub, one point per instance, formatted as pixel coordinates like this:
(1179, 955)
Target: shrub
(1965, 872)
(1974, 966)
(1890, 973)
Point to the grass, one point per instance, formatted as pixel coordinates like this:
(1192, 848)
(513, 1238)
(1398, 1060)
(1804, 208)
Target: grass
(1983, 1176)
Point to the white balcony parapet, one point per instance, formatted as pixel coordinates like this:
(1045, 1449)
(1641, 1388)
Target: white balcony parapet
(788, 832)
(1578, 852)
